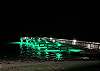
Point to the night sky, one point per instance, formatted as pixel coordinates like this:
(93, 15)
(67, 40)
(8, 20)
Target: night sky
(82, 28)
(67, 27)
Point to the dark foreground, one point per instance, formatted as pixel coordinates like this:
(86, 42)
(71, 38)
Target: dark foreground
(50, 66)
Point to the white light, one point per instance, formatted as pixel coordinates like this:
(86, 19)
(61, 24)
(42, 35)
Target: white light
(24, 37)
(51, 38)
(74, 42)
(88, 46)
(97, 43)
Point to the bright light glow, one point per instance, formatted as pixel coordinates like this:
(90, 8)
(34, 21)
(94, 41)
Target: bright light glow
(88, 46)
(51, 38)
(74, 42)
(24, 37)
(97, 43)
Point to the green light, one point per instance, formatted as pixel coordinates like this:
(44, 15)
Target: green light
(37, 46)
(58, 56)
(58, 44)
(75, 50)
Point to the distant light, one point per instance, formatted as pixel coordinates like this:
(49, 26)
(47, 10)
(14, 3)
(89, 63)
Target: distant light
(61, 40)
(74, 42)
(24, 37)
(51, 38)
(88, 46)
(97, 43)
(99, 47)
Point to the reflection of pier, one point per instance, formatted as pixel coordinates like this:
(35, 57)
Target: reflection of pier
(89, 45)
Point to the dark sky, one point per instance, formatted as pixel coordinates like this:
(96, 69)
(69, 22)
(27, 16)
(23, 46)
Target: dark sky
(82, 28)
(68, 27)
